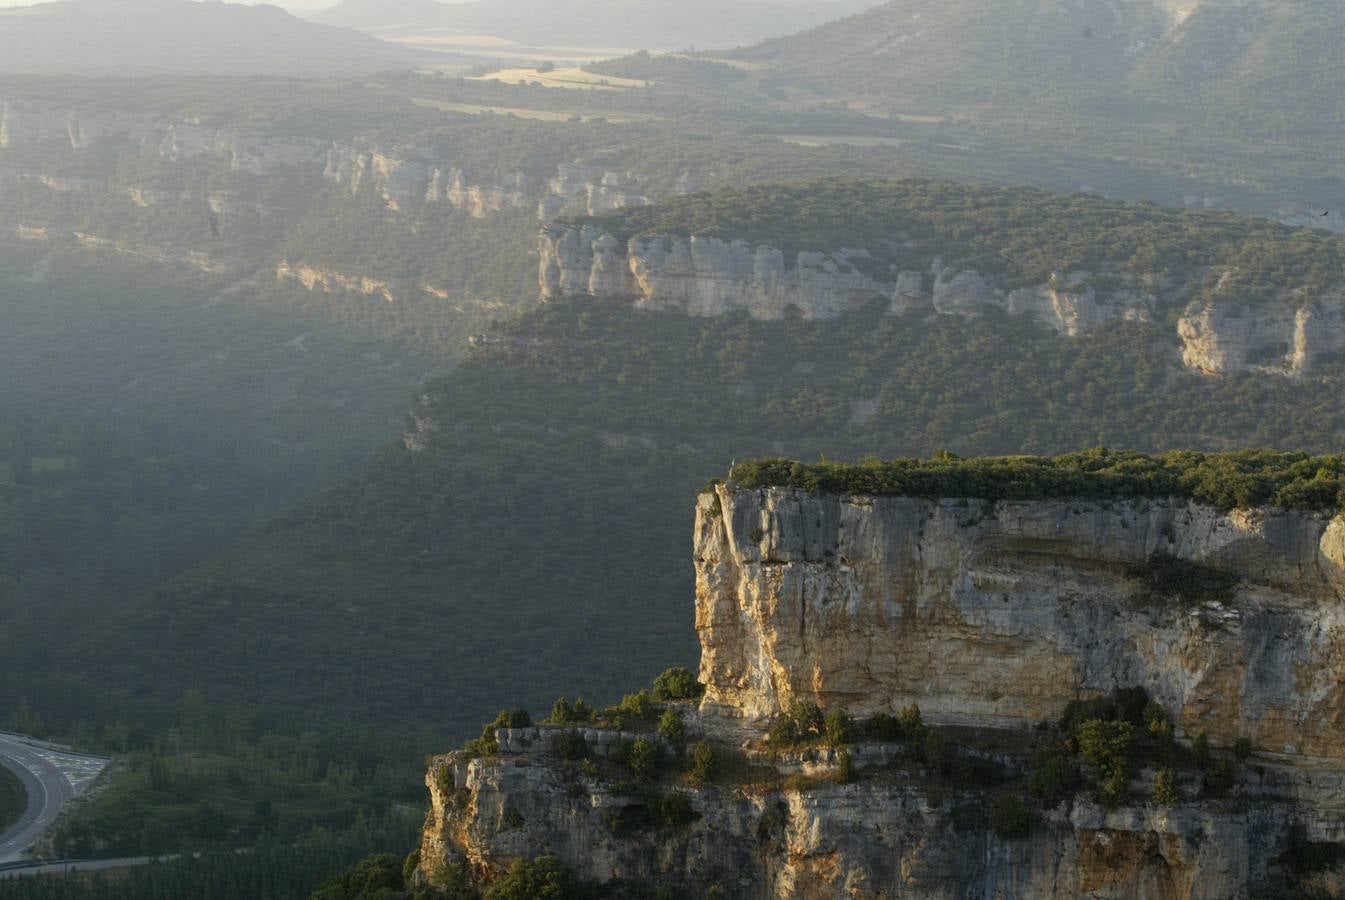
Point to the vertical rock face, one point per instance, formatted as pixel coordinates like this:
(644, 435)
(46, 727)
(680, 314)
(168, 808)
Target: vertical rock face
(1006, 612)
(254, 154)
(990, 617)
(402, 175)
(703, 276)
(712, 277)
(327, 281)
(869, 840)
(1285, 337)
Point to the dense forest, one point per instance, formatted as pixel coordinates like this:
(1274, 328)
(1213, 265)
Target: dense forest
(547, 520)
(270, 869)
(1021, 236)
(1223, 480)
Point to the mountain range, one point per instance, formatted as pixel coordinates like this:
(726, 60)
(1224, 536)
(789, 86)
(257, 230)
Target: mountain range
(1251, 65)
(146, 37)
(597, 23)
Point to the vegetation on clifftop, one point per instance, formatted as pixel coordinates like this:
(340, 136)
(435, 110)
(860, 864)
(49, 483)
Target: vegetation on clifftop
(1021, 236)
(1223, 480)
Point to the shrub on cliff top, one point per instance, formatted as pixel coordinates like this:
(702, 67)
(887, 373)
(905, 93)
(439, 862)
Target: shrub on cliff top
(671, 727)
(1222, 480)
(677, 683)
(565, 713)
(638, 705)
(569, 745)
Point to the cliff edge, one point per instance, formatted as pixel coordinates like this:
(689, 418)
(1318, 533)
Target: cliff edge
(1094, 676)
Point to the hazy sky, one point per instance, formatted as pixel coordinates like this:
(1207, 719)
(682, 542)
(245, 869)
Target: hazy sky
(291, 5)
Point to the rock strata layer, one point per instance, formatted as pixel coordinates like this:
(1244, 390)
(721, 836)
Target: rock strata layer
(992, 618)
(1006, 612)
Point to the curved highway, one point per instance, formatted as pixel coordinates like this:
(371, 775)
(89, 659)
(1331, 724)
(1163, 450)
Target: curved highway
(48, 790)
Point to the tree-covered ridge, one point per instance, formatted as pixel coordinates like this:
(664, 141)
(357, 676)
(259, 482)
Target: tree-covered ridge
(1224, 480)
(1022, 236)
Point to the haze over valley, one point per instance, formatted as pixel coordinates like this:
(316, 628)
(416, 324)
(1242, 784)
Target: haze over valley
(368, 368)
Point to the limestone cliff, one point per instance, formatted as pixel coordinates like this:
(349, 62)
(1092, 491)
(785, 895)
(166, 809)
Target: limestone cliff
(408, 176)
(404, 176)
(1285, 337)
(891, 835)
(992, 618)
(1006, 612)
(709, 276)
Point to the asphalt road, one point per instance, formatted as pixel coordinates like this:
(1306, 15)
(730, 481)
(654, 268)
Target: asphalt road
(48, 790)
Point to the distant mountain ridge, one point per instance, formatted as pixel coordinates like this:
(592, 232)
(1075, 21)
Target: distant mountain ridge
(1250, 62)
(143, 37)
(599, 23)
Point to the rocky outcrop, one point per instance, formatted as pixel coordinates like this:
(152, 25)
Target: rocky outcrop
(26, 125)
(881, 837)
(407, 176)
(1285, 337)
(323, 279)
(194, 259)
(706, 276)
(712, 277)
(327, 281)
(248, 152)
(709, 276)
(991, 618)
(1006, 612)
(30, 124)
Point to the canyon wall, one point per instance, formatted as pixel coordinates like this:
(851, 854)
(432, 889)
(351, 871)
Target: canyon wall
(992, 618)
(709, 276)
(404, 176)
(886, 837)
(1005, 612)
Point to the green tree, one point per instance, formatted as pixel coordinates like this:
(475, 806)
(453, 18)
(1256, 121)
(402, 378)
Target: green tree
(644, 758)
(1107, 746)
(704, 762)
(544, 878)
(671, 727)
(839, 728)
(677, 683)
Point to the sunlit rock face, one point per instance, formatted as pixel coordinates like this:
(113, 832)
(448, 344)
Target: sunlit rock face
(1006, 612)
(1292, 335)
(710, 276)
(1288, 337)
(991, 617)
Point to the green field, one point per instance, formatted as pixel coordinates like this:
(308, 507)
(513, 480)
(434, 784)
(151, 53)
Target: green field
(13, 798)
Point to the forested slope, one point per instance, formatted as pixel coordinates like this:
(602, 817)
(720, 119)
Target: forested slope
(1227, 67)
(534, 548)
